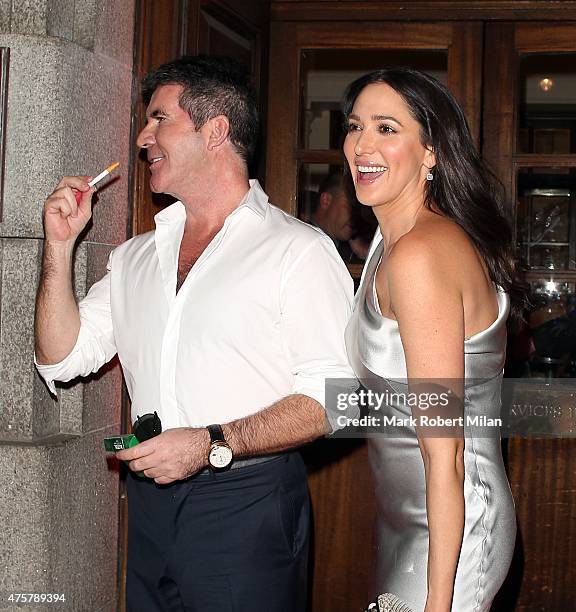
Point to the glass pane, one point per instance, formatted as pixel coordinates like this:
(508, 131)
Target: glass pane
(545, 347)
(326, 200)
(546, 218)
(545, 344)
(550, 257)
(216, 38)
(326, 74)
(552, 325)
(547, 112)
(309, 179)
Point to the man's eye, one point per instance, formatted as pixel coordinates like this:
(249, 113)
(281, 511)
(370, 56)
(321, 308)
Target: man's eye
(155, 119)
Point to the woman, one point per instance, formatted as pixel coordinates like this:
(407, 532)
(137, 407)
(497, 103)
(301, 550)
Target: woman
(431, 310)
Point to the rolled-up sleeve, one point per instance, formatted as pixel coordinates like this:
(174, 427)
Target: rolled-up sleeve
(316, 304)
(95, 343)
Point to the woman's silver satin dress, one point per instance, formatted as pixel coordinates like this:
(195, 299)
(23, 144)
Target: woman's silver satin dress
(375, 352)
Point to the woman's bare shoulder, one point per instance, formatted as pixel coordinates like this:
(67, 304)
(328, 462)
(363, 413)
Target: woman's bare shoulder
(437, 237)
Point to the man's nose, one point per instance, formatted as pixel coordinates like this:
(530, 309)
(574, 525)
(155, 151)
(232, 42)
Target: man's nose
(145, 138)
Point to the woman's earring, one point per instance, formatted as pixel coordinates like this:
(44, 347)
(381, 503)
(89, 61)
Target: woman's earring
(429, 176)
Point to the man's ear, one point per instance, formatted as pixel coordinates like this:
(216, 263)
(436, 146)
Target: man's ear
(325, 199)
(218, 131)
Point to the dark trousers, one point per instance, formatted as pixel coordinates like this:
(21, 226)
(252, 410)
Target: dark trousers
(234, 541)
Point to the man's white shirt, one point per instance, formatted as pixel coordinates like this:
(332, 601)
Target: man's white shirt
(261, 315)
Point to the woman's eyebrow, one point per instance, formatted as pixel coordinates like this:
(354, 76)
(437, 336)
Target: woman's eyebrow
(386, 118)
(378, 118)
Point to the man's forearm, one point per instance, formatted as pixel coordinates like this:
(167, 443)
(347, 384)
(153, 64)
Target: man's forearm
(290, 422)
(57, 318)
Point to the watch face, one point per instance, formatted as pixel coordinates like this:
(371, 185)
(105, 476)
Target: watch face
(220, 456)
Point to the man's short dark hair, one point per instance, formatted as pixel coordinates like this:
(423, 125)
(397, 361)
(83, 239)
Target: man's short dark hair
(331, 183)
(212, 86)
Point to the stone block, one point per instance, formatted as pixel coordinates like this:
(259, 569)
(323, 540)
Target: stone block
(29, 17)
(103, 391)
(98, 132)
(20, 259)
(90, 403)
(115, 31)
(60, 19)
(60, 523)
(35, 128)
(86, 19)
(24, 554)
(83, 532)
(52, 417)
(5, 15)
(68, 113)
(69, 108)
(27, 410)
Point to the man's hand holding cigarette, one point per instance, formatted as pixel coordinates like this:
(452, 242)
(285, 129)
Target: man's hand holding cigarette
(66, 213)
(68, 209)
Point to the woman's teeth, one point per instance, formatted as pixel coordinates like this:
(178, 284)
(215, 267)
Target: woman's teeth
(373, 169)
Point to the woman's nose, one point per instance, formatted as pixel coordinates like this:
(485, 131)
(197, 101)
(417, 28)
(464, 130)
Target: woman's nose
(364, 144)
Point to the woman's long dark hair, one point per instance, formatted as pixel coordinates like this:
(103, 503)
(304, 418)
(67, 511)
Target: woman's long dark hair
(464, 188)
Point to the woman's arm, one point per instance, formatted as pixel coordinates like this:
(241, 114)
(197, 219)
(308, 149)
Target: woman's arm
(427, 302)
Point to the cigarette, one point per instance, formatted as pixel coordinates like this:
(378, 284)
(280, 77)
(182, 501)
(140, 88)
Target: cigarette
(104, 174)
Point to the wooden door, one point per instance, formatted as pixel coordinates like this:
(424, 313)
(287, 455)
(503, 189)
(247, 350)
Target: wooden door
(172, 28)
(530, 138)
(478, 58)
(303, 56)
(291, 43)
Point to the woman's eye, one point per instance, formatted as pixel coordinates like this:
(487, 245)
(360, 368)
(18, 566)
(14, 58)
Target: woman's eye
(353, 127)
(387, 129)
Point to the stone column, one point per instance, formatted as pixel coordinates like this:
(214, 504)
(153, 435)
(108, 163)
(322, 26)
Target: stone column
(69, 108)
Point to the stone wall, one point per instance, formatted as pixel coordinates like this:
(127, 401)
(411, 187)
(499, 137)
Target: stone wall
(69, 105)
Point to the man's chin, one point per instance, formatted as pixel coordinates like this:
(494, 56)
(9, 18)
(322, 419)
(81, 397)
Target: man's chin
(345, 236)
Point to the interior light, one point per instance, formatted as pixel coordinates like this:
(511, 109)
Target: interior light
(551, 286)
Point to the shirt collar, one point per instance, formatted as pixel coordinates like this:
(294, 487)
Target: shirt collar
(255, 199)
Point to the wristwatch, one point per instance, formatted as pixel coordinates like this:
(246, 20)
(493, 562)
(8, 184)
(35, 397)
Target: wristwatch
(220, 455)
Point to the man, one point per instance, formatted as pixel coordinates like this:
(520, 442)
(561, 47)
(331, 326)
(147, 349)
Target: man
(332, 210)
(230, 315)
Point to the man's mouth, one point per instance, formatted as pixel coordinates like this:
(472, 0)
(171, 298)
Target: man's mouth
(369, 173)
(154, 160)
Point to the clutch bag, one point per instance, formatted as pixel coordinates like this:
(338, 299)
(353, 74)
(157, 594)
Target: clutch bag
(387, 602)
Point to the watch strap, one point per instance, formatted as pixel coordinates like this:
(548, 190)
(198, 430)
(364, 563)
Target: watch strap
(216, 433)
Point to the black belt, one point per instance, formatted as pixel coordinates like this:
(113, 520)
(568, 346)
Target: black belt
(246, 462)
